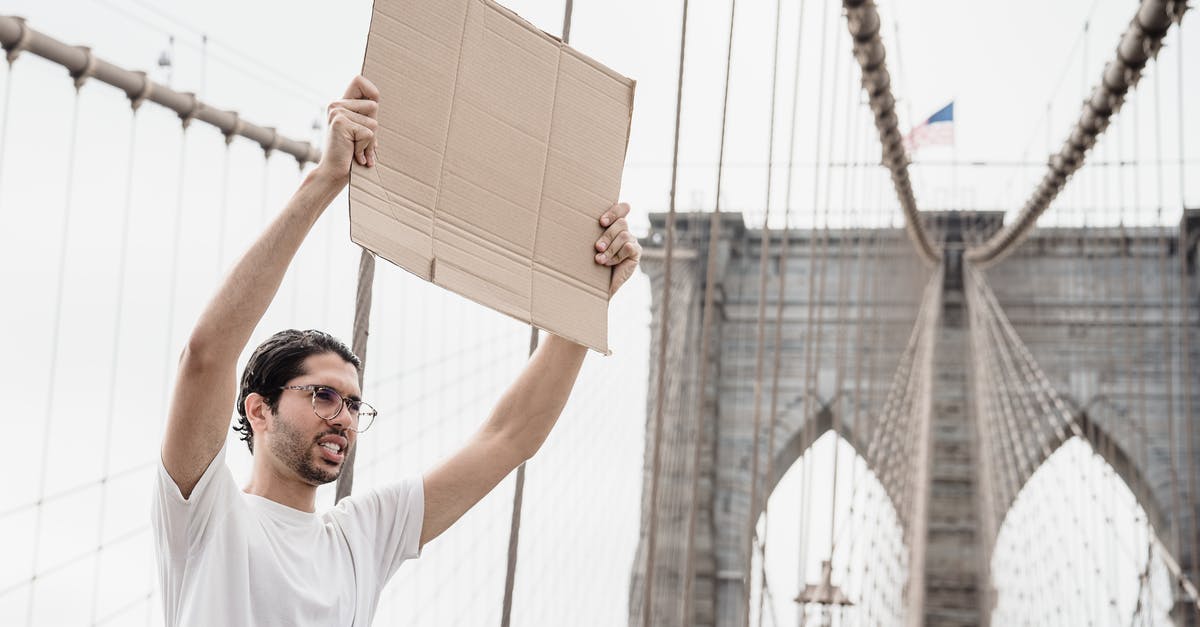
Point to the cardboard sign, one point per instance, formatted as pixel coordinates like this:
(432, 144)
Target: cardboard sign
(500, 148)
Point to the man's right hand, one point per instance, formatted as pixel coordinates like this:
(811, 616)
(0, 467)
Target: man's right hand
(351, 134)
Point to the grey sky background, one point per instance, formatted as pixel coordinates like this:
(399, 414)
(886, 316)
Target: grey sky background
(105, 281)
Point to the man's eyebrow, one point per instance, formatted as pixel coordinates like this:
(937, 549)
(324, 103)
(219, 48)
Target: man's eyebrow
(353, 397)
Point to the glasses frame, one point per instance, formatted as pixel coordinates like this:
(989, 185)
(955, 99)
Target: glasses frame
(345, 404)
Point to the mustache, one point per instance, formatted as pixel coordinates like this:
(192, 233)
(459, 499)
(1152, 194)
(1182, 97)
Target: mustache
(340, 434)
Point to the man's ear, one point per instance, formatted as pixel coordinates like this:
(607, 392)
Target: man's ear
(258, 412)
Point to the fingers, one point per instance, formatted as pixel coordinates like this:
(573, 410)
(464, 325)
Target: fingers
(617, 211)
(361, 88)
(606, 241)
(352, 133)
(357, 118)
(343, 124)
(617, 245)
(624, 246)
(360, 113)
(369, 108)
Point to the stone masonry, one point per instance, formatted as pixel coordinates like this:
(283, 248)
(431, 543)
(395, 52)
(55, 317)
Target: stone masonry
(1090, 304)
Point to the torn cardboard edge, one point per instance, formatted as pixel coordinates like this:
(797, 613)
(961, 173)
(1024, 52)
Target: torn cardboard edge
(500, 148)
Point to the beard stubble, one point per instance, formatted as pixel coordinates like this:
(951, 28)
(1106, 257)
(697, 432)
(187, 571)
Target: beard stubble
(293, 449)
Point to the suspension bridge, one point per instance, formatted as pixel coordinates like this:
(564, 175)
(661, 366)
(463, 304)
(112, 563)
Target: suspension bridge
(840, 403)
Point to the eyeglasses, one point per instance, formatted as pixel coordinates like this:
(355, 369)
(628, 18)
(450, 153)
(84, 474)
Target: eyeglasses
(327, 404)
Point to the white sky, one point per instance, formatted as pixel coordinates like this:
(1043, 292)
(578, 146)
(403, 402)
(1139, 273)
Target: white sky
(1005, 64)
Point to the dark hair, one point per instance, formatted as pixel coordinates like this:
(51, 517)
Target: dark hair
(278, 360)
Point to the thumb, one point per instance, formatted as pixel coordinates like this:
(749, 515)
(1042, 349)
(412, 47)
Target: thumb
(621, 273)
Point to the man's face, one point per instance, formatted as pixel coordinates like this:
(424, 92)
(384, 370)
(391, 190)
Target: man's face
(313, 448)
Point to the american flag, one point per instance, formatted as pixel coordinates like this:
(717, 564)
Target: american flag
(937, 130)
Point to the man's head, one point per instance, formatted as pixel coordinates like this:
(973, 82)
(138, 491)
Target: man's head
(283, 418)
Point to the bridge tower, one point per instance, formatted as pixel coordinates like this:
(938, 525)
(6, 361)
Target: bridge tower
(950, 545)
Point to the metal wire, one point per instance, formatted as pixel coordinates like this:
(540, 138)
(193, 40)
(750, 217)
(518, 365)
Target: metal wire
(56, 326)
(710, 277)
(652, 529)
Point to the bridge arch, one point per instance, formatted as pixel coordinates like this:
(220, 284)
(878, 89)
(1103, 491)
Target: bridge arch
(801, 439)
(814, 519)
(1113, 451)
(1077, 514)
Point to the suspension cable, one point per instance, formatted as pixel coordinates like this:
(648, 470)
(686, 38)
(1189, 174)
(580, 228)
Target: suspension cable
(123, 255)
(863, 21)
(807, 389)
(1164, 286)
(663, 337)
(1137, 46)
(1185, 317)
(364, 286)
(760, 334)
(8, 86)
(837, 399)
(514, 532)
(56, 330)
(15, 35)
(710, 277)
(773, 414)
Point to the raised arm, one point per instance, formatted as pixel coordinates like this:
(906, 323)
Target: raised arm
(205, 387)
(528, 410)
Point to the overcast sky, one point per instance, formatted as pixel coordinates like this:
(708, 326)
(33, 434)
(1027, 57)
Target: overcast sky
(108, 279)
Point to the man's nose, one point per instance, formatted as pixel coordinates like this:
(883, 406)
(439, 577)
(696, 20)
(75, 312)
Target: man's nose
(343, 420)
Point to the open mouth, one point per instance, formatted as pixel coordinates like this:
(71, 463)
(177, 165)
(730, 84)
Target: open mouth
(333, 449)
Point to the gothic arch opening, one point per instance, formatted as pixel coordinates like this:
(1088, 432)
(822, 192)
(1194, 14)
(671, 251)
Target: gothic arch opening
(1075, 548)
(805, 524)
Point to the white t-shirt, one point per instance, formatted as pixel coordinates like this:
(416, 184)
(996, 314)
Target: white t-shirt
(229, 558)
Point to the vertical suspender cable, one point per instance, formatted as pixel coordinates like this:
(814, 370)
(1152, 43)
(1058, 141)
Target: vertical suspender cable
(1185, 329)
(1140, 333)
(710, 278)
(836, 400)
(56, 325)
(1112, 538)
(822, 263)
(839, 349)
(223, 218)
(4, 121)
(663, 336)
(1168, 349)
(806, 405)
(514, 529)
(568, 11)
(266, 184)
(114, 365)
(358, 345)
(514, 534)
(172, 290)
(12, 51)
(773, 415)
(760, 337)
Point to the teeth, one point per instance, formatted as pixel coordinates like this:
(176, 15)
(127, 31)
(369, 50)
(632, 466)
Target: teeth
(331, 446)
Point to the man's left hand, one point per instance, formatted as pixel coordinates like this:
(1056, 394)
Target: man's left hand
(618, 248)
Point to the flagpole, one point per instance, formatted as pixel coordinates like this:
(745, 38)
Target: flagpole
(954, 180)
(954, 170)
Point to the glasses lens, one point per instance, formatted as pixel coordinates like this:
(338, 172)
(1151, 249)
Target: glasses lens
(366, 415)
(326, 402)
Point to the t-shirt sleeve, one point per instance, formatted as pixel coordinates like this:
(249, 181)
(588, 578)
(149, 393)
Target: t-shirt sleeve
(389, 520)
(182, 526)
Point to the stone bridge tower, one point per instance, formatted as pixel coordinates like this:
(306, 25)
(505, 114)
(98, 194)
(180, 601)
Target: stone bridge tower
(1059, 312)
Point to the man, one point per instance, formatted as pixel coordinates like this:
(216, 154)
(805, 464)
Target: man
(261, 555)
